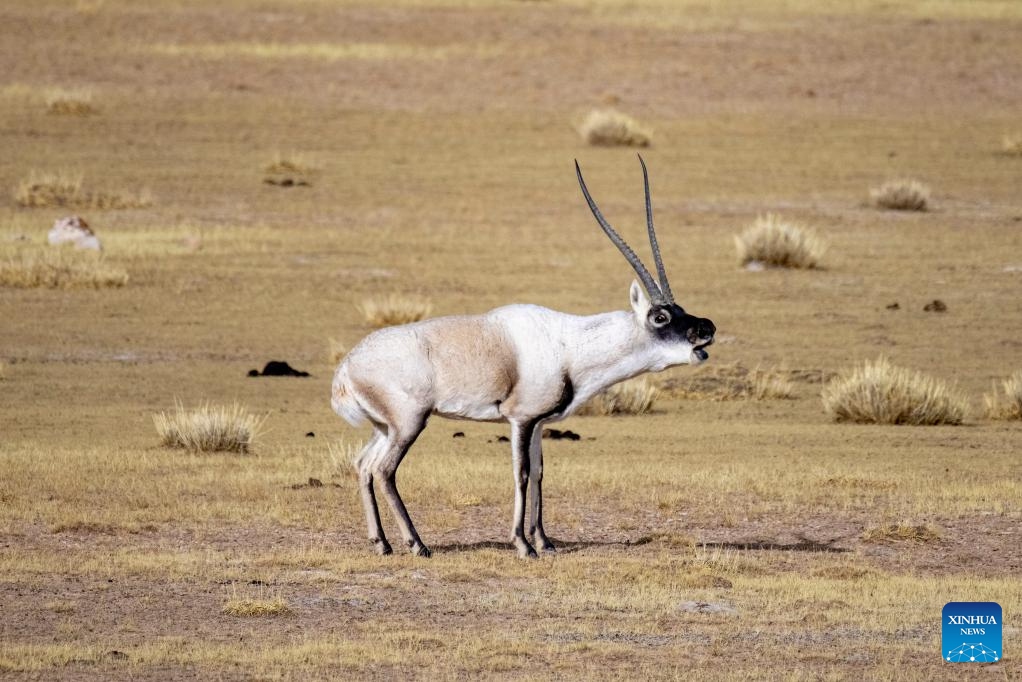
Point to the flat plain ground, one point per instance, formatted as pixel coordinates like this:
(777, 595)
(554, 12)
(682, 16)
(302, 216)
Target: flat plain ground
(439, 138)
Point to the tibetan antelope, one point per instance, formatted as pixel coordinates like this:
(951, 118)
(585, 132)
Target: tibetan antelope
(522, 364)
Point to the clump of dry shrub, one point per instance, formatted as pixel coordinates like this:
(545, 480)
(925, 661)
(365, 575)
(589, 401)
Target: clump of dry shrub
(60, 268)
(1007, 402)
(635, 396)
(70, 102)
(889, 532)
(901, 195)
(879, 393)
(773, 241)
(394, 309)
(609, 128)
(289, 171)
(62, 189)
(1011, 145)
(258, 606)
(209, 428)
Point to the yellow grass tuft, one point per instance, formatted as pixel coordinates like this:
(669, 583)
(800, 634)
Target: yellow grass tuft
(258, 606)
(394, 309)
(60, 268)
(770, 384)
(773, 241)
(635, 396)
(69, 102)
(292, 163)
(880, 393)
(343, 457)
(892, 532)
(1011, 145)
(901, 195)
(62, 189)
(609, 128)
(1006, 403)
(208, 428)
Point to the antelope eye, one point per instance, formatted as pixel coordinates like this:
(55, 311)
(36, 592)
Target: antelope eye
(661, 318)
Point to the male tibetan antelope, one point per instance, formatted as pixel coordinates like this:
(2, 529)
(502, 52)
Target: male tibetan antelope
(522, 364)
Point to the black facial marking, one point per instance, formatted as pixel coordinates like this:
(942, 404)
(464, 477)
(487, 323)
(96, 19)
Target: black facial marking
(680, 327)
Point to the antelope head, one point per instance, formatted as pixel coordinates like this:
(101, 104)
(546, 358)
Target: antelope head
(680, 338)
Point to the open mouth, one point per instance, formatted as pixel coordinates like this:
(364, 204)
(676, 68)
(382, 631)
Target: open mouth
(700, 350)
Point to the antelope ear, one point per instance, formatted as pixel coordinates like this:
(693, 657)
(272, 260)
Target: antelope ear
(639, 301)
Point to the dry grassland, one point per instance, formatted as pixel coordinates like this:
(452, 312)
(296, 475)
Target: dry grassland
(724, 534)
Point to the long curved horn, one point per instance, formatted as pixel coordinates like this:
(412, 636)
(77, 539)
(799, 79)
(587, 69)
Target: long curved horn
(655, 295)
(665, 286)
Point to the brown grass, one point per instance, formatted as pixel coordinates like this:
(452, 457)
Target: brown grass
(1005, 403)
(901, 195)
(880, 393)
(770, 384)
(773, 241)
(336, 351)
(394, 309)
(635, 396)
(611, 128)
(65, 190)
(209, 428)
(904, 531)
(70, 102)
(59, 268)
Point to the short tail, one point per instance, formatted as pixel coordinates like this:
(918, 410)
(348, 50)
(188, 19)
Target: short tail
(344, 401)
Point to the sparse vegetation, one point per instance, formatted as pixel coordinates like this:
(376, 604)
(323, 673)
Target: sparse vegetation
(773, 241)
(1011, 145)
(59, 268)
(209, 428)
(1005, 403)
(904, 531)
(880, 393)
(901, 195)
(343, 457)
(65, 190)
(635, 396)
(609, 128)
(394, 309)
(733, 382)
(3, 370)
(70, 102)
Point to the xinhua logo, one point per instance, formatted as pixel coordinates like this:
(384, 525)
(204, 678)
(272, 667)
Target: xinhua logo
(971, 632)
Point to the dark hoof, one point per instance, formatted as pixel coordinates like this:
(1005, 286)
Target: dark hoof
(382, 547)
(422, 550)
(548, 548)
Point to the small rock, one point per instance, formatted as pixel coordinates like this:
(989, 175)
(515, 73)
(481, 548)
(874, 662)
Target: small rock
(706, 607)
(755, 266)
(117, 655)
(310, 434)
(503, 439)
(315, 483)
(935, 306)
(557, 434)
(893, 306)
(458, 434)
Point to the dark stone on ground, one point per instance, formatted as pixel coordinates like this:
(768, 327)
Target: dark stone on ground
(503, 439)
(894, 306)
(458, 434)
(310, 434)
(935, 306)
(557, 434)
(278, 368)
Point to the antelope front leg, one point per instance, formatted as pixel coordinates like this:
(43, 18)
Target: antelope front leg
(521, 437)
(536, 491)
